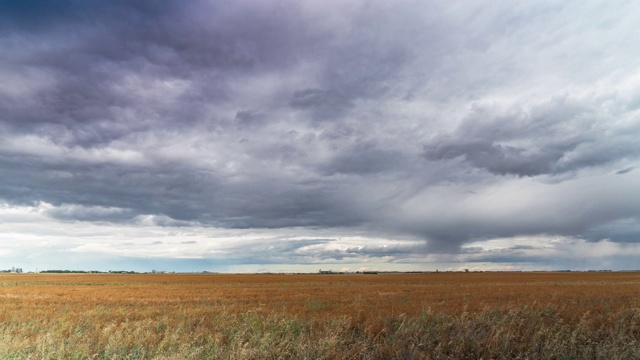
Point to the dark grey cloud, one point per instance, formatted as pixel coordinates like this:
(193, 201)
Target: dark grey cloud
(498, 159)
(428, 121)
(624, 171)
(249, 119)
(365, 159)
(624, 231)
(323, 104)
(80, 213)
(551, 138)
(106, 64)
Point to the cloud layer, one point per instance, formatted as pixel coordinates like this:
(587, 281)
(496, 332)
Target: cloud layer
(418, 130)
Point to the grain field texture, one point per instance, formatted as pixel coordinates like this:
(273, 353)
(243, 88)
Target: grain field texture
(340, 316)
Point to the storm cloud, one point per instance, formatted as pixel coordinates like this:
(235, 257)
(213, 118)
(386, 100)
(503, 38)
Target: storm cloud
(305, 133)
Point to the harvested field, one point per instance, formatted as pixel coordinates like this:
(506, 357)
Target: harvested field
(437, 315)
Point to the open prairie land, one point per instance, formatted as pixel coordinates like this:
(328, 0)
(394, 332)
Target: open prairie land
(384, 316)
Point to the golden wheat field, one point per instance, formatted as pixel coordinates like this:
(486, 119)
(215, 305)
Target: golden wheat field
(358, 316)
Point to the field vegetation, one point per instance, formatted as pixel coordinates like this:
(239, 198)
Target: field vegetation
(384, 316)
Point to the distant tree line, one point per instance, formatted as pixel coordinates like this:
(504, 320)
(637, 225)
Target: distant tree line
(69, 272)
(85, 272)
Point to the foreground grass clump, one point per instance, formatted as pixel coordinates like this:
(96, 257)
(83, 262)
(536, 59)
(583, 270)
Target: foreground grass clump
(491, 334)
(449, 316)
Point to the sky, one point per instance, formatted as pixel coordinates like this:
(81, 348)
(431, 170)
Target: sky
(294, 136)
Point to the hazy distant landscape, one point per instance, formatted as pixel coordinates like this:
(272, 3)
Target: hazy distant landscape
(592, 315)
